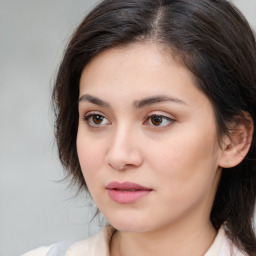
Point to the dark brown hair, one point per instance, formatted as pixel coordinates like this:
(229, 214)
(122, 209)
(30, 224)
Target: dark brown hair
(215, 43)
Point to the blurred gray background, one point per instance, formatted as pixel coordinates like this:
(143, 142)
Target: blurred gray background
(35, 208)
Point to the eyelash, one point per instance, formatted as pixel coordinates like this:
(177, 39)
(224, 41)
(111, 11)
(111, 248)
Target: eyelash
(88, 118)
(148, 120)
(161, 117)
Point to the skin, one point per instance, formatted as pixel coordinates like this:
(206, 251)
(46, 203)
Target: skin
(178, 159)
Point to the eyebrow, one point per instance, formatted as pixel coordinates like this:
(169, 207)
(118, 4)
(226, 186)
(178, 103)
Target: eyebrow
(94, 100)
(137, 104)
(157, 99)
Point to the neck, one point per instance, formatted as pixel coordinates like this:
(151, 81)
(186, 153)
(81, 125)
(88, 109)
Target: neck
(172, 241)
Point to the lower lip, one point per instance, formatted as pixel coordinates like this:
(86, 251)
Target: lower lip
(127, 197)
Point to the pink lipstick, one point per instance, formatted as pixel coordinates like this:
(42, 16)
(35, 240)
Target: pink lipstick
(127, 192)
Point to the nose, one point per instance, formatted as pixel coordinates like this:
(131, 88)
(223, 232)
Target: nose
(124, 152)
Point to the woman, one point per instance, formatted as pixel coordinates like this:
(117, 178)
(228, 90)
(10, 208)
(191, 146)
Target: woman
(155, 111)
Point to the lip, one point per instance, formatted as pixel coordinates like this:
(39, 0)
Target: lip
(126, 192)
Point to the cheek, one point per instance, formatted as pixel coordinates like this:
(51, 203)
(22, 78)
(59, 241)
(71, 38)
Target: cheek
(187, 161)
(90, 155)
(90, 159)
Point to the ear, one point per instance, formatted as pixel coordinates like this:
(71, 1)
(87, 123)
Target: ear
(237, 144)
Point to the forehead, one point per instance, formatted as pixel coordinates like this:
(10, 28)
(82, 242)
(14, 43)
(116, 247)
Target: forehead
(135, 59)
(139, 69)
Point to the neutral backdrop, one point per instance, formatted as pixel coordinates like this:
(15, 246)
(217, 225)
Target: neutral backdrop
(36, 207)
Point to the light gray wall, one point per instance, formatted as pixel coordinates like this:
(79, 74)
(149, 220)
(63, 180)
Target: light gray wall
(34, 208)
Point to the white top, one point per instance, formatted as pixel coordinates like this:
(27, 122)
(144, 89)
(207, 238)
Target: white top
(98, 245)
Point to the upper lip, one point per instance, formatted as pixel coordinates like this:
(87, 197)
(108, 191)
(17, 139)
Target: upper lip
(126, 186)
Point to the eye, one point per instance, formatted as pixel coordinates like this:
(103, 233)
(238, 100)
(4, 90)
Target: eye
(158, 120)
(96, 120)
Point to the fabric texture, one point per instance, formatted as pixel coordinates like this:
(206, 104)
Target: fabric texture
(98, 245)
(59, 249)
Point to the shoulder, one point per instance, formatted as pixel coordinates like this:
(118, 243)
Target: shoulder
(41, 251)
(93, 246)
(223, 246)
(228, 248)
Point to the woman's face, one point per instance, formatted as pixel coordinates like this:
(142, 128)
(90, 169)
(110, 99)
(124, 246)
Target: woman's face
(146, 141)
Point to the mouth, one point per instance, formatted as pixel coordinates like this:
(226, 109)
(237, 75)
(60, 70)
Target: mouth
(127, 192)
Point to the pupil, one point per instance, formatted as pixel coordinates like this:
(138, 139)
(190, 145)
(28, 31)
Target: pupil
(156, 120)
(97, 119)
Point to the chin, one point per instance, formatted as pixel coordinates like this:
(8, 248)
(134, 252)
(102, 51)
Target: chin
(131, 227)
(130, 224)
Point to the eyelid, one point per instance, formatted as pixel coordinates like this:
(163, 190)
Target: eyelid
(167, 117)
(86, 117)
(89, 113)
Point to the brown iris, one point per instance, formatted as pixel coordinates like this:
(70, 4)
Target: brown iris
(97, 119)
(156, 120)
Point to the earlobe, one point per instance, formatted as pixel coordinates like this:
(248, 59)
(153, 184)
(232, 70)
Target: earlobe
(236, 146)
